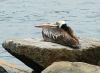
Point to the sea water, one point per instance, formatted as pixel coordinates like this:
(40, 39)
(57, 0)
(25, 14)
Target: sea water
(18, 18)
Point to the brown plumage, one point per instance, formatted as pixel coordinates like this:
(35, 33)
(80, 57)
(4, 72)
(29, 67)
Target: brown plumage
(60, 33)
(60, 36)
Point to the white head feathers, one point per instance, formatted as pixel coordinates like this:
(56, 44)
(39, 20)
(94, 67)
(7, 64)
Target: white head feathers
(60, 23)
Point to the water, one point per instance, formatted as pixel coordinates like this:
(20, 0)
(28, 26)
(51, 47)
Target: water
(18, 17)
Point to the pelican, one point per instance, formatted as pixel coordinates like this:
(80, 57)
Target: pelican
(60, 33)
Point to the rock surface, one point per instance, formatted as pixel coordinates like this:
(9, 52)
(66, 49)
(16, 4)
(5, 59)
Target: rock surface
(38, 54)
(71, 67)
(11, 68)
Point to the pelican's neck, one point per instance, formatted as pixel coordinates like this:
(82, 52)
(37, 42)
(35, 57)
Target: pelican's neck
(67, 29)
(64, 27)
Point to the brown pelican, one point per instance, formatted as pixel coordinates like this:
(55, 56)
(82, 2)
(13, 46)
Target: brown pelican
(59, 33)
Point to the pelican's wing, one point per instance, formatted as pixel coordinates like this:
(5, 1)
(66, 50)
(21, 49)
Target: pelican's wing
(55, 35)
(59, 36)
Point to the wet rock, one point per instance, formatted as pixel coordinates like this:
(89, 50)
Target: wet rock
(38, 54)
(71, 67)
(11, 68)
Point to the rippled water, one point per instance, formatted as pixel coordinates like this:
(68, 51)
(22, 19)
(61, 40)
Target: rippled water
(17, 18)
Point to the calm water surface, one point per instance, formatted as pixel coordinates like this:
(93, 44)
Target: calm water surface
(17, 18)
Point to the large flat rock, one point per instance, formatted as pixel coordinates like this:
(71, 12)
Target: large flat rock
(71, 67)
(38, 54)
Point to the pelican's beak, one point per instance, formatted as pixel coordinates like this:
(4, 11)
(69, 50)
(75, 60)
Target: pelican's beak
(46, 26)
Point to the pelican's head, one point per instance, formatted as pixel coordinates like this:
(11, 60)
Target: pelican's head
(60, 23)
(57, 24)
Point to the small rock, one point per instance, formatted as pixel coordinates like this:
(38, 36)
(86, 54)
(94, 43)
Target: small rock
(11, 68)
(71, 67)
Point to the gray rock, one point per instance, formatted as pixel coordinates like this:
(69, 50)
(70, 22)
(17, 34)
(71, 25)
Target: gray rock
(6, 67)
(38, 54)
(71, 67)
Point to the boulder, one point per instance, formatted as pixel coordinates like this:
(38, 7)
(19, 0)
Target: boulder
(38, 54)
(6, 67)
(71, 67)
